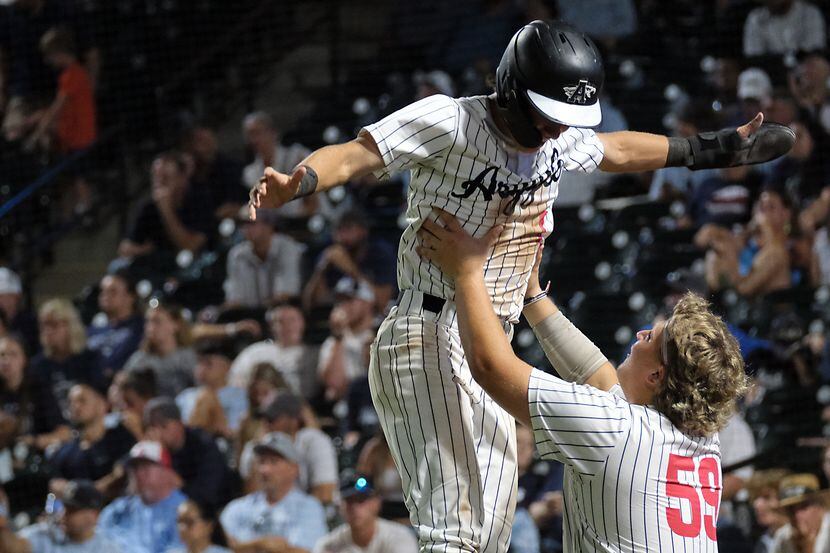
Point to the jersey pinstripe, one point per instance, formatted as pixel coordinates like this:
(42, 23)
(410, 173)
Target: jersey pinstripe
(460, 163)
(633, 481)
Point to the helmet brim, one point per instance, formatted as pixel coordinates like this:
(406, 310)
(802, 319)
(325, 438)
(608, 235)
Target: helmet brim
(564, 113)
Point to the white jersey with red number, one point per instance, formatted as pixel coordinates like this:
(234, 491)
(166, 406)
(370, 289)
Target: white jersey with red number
(460, 163)
(633, 481)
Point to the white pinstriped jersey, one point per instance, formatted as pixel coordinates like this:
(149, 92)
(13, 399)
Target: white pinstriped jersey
(633, 481)
(460, 163)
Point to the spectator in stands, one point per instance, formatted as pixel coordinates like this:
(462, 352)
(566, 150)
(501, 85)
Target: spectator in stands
(672, 183)
(783, 27)
(9, 541)
(166, 348)
(95, 448)
(808, 527)
(145, 522)
(264, 269)
(813, 221)
(174, 218)
(74, 530)
(265, 383)
(120, 335)
(737, 447)
(763, 495)
(363, 530)
(198, 404)
(375, 461)
(129, 394)
(65, 359)
(28, 410)
(805, 168)
(199, 529)
(194, 454)
(279, 516)
(262, 137)
(214, 171)
(296, 360)
(344, 356)
(808, 83)
(432, 82)
(754, 92)
(539, 496)
(69, 124)
(20, 320)
(356, 254)
(314, 450)
(756, 262)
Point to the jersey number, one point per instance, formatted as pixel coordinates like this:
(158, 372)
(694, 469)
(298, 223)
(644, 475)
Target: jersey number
(710, 490)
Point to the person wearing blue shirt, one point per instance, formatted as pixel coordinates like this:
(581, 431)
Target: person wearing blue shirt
(279, 517)
(146, 521)
(116, 335)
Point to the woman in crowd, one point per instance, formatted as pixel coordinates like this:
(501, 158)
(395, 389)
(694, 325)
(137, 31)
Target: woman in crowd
(199, 529)
(166, 348)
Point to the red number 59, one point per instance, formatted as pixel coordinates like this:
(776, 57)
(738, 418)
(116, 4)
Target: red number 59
(710, 490)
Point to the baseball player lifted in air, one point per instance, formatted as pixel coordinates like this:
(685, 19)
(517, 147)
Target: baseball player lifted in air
(488, 160)
(639, 444)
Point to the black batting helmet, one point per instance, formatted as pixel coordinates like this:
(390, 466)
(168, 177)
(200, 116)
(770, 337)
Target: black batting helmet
(554, 69)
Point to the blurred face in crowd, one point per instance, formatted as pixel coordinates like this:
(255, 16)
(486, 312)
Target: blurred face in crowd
(9, 304)
(275, 475)
(115, 299)
(286, 424)
(261, 391)
(770, 209)
(159, 326)
(151, 481)
(524, 447)
(287, 325)
(203, 145)
(260, 137)
(193, 528)
(766, 510)
(170, 433)
(803, 147)
(12, 362)
(351, 235)
(85, 406)
(168, 174)
(212, 370)
(812, 73)
(79, 524)
(357, 310)
(54, 333)
(360, 511)
(257, 231)
(807, 517)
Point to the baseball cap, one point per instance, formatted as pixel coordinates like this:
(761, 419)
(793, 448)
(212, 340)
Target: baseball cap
(754, 83)
(9, 282)
(285, 404)
(279, 443)
(349, 287)
(154, 452)
(82, 494)
(356, 485)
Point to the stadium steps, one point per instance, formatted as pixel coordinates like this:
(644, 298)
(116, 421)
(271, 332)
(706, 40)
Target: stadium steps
(81, 257)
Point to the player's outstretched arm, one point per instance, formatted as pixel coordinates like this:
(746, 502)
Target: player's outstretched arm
(322, 169)
(571, 353)
(751, 143)
(491, 359)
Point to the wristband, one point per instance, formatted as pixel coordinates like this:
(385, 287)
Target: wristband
(538, 297)
(308, 184)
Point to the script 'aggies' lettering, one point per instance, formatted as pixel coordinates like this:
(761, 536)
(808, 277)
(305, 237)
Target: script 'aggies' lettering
(521, 193)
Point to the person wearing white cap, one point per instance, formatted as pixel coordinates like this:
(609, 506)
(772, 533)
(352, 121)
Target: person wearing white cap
(145, 522)
(344, 355)
(16, 316)
(279, 517)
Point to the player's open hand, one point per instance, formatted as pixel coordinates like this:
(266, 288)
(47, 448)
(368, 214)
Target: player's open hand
(450, 247)
(274, 189)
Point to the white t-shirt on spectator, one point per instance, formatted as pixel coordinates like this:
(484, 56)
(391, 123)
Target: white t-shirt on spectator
(801, 28)
(390, 537)
(318, 459)
(254, 282)
(356, 363)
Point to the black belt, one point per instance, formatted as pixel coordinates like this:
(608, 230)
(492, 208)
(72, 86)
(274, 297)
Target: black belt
(430, 303)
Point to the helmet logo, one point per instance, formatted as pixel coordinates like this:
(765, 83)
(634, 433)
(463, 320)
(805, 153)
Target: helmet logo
(580, 93)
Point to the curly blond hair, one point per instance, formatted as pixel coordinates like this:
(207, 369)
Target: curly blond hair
(705, 373)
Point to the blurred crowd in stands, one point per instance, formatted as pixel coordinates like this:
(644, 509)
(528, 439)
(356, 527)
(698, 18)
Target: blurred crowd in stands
(209, 391)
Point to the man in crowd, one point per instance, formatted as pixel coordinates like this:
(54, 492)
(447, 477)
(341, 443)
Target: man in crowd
(74, 529)
(363, 530)
(316, 456)
(145, 522)
(279, 517)
(117, 338)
